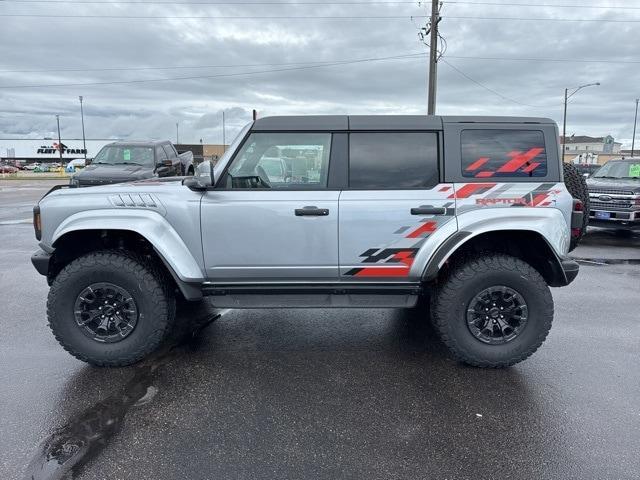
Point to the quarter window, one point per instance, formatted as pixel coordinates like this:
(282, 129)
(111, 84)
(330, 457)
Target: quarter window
(281, 161)
(503, 153)
(393, 160)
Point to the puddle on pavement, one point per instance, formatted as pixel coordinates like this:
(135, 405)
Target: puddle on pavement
(608, 261)
(69, 447)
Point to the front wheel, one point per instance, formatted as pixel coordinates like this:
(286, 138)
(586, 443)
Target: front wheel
(492, 310)
(110, 308)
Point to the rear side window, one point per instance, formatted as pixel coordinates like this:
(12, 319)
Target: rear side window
(503, 153)
(393, 160)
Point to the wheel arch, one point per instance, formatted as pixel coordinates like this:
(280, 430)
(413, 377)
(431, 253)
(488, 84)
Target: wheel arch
(74, 242)
(528, 245)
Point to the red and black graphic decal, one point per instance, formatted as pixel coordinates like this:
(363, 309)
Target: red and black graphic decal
(469, 189)
(520, 162)
(540, 196)
(402, 256)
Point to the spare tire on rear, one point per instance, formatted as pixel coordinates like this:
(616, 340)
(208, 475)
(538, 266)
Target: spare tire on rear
(577, 186)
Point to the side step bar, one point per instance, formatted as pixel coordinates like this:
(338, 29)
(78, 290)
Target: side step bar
(313, 295)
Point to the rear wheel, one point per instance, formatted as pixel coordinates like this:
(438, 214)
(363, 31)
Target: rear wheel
(577, 186)
(110, 308)
(492, 310)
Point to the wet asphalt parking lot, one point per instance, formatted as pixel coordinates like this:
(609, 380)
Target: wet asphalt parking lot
(323, 394)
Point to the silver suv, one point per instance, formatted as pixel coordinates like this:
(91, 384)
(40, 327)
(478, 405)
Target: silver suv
(362, 211)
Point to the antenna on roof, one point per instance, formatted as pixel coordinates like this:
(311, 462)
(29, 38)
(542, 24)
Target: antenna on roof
(255, 114)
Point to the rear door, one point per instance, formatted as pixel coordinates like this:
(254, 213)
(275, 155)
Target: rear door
(394, 202)
(272, 215)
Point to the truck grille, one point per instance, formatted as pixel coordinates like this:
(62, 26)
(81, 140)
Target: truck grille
(607, 191)
(616, 205)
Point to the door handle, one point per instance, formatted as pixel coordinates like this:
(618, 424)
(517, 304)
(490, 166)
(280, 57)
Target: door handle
(311, 211)
(428, 211)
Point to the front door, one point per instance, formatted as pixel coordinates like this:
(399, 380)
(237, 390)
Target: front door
(271, 216)
(394, 203)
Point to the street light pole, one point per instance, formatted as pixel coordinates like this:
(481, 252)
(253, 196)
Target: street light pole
(635, 122)
(84, 142)
(177, 136)
(567, 96)
(59, 139)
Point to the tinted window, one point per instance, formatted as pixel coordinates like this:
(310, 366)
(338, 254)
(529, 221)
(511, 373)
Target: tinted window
(160, 155)
(393, 160)
(281, 161)
(503, 153)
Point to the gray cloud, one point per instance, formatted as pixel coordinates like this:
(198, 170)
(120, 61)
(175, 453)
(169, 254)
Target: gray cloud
(150, 110)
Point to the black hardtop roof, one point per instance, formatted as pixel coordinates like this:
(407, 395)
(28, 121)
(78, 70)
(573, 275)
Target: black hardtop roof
(138, 143)
(380, 122)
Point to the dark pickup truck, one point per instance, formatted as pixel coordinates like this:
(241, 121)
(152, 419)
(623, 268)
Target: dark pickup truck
(614, 194)
(120, 162)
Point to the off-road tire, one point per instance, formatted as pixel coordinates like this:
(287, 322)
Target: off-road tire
(149, 286)
(577, 186)
(468, 278)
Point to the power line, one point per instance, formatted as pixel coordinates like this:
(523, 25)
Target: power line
(312, 17)
(490, 89)
(188, 67)
(547, 5)
(245, 65)
(172, 2)
(220, 75)
(301, 4)
(540, 59)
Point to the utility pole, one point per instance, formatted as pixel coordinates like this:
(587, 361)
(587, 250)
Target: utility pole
(635, 122)
(177, 136)
(84, 142)
(433, 56)
(224, 135)
(59, 139)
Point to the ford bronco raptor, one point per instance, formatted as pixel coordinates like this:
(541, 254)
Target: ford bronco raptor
(361, 211)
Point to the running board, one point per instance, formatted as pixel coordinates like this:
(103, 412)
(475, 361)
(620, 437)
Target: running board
(314, 295)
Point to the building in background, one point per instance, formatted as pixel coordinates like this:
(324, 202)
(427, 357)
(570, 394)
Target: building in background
(590, 150)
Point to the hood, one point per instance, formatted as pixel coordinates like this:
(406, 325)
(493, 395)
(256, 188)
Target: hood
(622, 184)
(114, 173)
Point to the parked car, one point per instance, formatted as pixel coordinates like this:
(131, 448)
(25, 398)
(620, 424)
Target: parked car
(378, 215)
(8, 169)
(31, 166)
(43, 168)
(128, 161)
(74, 164)
(614, 192)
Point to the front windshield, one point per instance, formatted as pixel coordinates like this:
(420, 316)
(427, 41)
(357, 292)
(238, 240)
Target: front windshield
(620, 169)
(125, 155)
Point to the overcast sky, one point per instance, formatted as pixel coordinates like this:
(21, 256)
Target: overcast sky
(44, 50)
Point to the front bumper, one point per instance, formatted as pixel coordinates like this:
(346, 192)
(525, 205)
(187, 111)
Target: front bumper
(615, 223)
(41, 260)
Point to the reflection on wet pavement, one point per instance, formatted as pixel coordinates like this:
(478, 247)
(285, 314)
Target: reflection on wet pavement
(85, 435)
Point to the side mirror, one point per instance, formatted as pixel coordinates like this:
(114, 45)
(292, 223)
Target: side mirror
(202, 179)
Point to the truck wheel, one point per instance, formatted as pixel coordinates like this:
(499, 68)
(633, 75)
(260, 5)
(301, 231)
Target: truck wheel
(492, 310)
(110, 308)
(577, 186)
